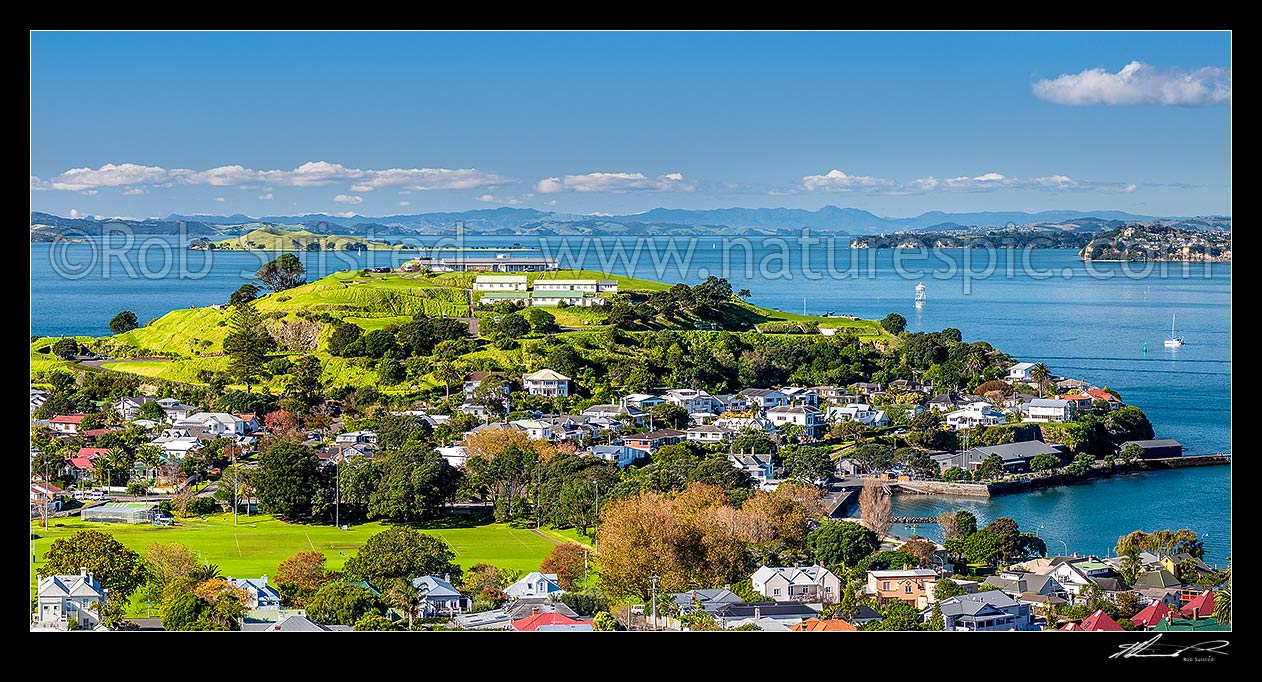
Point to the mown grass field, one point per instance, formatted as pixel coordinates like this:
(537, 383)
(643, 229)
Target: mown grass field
(259, 543)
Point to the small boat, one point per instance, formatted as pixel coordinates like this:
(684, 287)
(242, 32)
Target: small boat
(1173, 341)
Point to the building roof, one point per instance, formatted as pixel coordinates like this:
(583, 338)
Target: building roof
(656, 435)
(433, 586)
(564, 281)
(1152, 614)
(67, 419)
(793, 409)
(77, 585)
(479, 376)
(1049, 402)
(1021, 366)
(533, 622)
(1096, 622)
(793, 575)
(1201, 606)
(545, 375)
(500, 278)
(504, 294)
(712, 598)
(710, 428)
(758, 392)
(904, 573)
(977, 604)
(1158, 578)
(1014, 451)
(817, 625)
(1181, 624)
(771, 608)
(1155, 443)
(293, 623)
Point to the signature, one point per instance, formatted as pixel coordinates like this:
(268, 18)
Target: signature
(1152, 649)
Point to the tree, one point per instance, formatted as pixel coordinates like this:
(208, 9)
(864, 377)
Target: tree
(1131, 452)
(566, 560)
(373, 622)
(225, 603)
(991, 467)
(304, 389)
(244, 294)
(119, 569)
(415, 482)
(1044, 462)
(874, 507)
(897, 615)
(807, 463)
(669, 415)
(171, 569)
(282, 424)
(300, 576)
(397, 430)
(152, 411)
(954, 473)
(123, 322)
(485, 584)
(947, 588)
(894, 323)
(341, 603)
(285, 272)
(66, 348)
(936, 622)
(447, 374)
(390, 371)
(286, 479)
(841, 543)
(982, 548)
(341, 338)
(1041, 376)
(509, 328)
(604, 622)
(1008, 534)
(1222, 604)
(543, 322)
(920, 548)
(247, 343)
(401, 552)
(957, 525)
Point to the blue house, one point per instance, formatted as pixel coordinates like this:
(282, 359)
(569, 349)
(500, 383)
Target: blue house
(263, 597)
(437, 597)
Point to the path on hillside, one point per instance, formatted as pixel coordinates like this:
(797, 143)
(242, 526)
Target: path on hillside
(96, 364)
(545, 537)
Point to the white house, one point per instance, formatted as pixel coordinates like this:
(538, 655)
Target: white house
(975, 414)
(127, 406)
(456, 455)
(534, 428)
(38, 398)
(710, 433)
(1020, 372)
(216, 424)
(534, 584)
(493, 297)
(546, 382)
(566, 285)
(499, 283)
(174, 409)
(642, 400)
(62, 597)
(857, 412)
(692, 400)
(765, 398)
(66, 423)
(176, 442)
(983, 611)
(805, 416)
(738, 423)
(1049, 410)
(801, 396)
(620, 454)
(356, 437)
(616, 412)
(797, 583)
(542, 298)
(261, 595)
(758, 466)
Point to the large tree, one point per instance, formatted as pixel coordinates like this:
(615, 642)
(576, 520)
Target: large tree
(123, 322)
(415, 483)
(285, 272)
(286, 479)
(118, 568)
(247, 343)
(300, 576)
(874, 507)
(845, 543)
(566, 560)
(401, 552)
(341, 603)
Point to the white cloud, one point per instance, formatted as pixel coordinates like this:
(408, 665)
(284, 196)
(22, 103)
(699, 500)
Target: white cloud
(614, 182)
(310, 174)
(345, 214)
(487, 198)
(837, 181)
(1138, 83)
(89, 192)
(552, 202)
(220, 199)
(74, 213)
(133, 191)
(348, 199)
(266, 197)
(405, 203)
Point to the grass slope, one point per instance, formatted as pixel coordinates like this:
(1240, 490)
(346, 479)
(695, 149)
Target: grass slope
(275, 239)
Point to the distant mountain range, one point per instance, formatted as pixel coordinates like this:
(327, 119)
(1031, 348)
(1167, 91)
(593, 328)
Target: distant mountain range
(658, 221)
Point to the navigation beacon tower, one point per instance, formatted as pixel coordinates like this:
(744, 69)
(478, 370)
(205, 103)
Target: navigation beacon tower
(920, 295)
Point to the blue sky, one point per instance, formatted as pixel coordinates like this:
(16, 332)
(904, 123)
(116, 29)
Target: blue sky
(147, 124)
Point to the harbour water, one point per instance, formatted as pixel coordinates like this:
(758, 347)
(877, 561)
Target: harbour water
(1100, 322)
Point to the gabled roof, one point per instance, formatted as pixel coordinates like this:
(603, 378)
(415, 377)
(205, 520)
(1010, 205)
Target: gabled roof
(1202, 605)
(433, 586)
(532, 623)
(67, 419)
(904, 573)
(817, 625)
(656, 435)
(990, 602)
(793, 409)
(1158, 578)
(1096, 622)
(775, 608)
(1151, 615)
(545, 375)
(92, 453)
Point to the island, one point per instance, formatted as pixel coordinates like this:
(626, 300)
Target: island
(1157, 242)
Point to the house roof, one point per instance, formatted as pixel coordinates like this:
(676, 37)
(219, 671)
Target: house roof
(1181, 624)
(773, 608)
(433, 586)
(563, 281)
(1049, 402)
(500, 278)
(904, 573)
(533, 622)
(1158, 578)
(525, 606)
(545, 375)
(76, 585)
(67, 419)
(758, 392)
(794, 409)
(706, 597)
(293, 623)
(817, 625)
(80, 462)
(1202, 605)
(1101, 394)
(977, 604)
(1096, 622)
(526, 583)
(1014, 451)
(1021, 366)
(1155, 443)
(656, 435)
(710, 428)
(92, 453)
(1152, 614)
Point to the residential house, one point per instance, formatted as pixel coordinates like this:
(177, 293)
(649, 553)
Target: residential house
(865, 614)
(1096, 622)
(493, 297)
(549, 621)
(1159, 579)
(617, 412)
(517, 609)
(500, 283)
(547, 383)
(1049, 410)
(758, 466)
(1016, 457)
(215, 424)
(983, 611)
(651, 441)
(817, 625)
(437, 597)
(764, 614)
(65, 597)
(1020, 372)
(475, 379)
(174, 409)
(621, 455)
(800, 396)
(833, 393)
(127, 406)
(1075, 573)
(45, 496)
(1190, 625)
(1200, 607)
(1157, 448)
(912, 585)
(693, 401)
(1108, 398)
(943, 402)
(534, 584)
(1020, 585)
(741, 423)
(293, 623)
(708, 600)
(765, 398)
(856, 412)
(38, 398)
(249, 420)
(809, 418)
(456, 455)
(552, 298)
(536, 429)
(262, 596)
(1152, 614)
(356, 438)
(342, 453)
(979, 413)
(710, 433)
(643, 401)
(797, 583)
(68, 424)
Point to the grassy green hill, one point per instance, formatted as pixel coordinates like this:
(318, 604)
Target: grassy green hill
(276, 239)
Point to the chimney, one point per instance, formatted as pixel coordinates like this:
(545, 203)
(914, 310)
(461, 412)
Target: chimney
(906, 567)
(757, 613)
(534, 610)
(447, 577)
(727, 586)
(83, 571)
(1196, 613)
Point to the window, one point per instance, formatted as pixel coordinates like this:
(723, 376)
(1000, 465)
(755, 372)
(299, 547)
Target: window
(885, 585)
(907, 588)
(776, 592)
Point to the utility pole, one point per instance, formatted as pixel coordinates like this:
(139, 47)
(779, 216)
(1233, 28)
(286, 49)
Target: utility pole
(654, 579)
(337, 488)
(596, 530)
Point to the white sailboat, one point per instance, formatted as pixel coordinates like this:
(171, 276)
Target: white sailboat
(1173, 341)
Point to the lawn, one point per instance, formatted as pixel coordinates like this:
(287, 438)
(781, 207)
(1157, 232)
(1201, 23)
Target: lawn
(259, 543)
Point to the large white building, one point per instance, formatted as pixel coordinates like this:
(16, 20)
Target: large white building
(805, 416)
(499, 283)
(794, 583)
(65, 597)
(546, 382)
(1049, 410)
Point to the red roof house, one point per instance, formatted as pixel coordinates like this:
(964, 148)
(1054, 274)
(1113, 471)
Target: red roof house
(817, 625)
(534, 622)
(81, 463)
(93, 433)
(1151, 615)
(92, 453)
(1096, 622)
(1099, 394)
(1202, 606)
(67, 419)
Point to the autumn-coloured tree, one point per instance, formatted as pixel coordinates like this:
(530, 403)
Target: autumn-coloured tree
(503, 466)
(566, 560)
(227, 601)
(281, 423)
(300, 576)
(171, 569)
(485, 584)
(920, 548)
(874, 507)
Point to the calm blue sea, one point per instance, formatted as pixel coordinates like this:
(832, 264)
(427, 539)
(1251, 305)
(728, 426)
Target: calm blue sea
(1090, 321)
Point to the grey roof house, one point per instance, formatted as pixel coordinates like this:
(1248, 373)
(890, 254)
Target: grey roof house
(982, 611)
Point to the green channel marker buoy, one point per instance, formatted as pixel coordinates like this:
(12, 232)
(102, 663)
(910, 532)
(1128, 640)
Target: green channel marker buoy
(1145, 349)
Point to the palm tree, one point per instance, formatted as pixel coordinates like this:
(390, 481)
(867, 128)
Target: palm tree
(1222, 601)
(400, 594)
(1041, 374)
